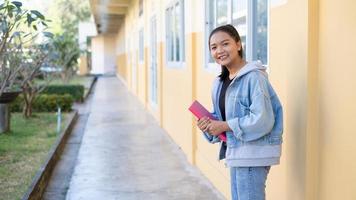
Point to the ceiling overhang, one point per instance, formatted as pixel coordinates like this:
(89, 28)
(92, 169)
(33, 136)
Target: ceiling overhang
(109, 14)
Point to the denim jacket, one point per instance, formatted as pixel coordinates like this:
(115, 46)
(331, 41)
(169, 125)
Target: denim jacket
(254, 114)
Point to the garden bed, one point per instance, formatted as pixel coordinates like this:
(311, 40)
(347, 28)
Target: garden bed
(24, 150)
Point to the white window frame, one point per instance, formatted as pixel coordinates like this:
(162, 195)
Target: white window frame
(141, 47)
(174, 63)
(153, 73)
(214, 67)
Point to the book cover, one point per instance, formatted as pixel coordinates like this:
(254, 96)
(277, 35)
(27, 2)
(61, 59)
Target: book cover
(200, 111)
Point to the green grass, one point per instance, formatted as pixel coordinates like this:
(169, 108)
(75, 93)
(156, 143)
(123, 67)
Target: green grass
(24, 150)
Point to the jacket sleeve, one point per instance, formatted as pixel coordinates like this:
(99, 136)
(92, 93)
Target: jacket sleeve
(260, 119)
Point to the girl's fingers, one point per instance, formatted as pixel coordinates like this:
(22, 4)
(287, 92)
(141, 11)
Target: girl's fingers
(203, 124)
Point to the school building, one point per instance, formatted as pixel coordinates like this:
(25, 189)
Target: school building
(159, 48)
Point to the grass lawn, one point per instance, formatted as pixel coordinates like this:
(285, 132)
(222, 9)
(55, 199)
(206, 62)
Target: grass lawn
(24, 150)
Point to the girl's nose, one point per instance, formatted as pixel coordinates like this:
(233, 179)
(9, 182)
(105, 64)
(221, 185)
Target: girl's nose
(219, 49)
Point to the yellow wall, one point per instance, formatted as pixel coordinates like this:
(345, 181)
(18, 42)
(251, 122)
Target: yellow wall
(83, 65)
(311, 46)
(177, 87)
(121, 69)
(289, 75)
(337, 99)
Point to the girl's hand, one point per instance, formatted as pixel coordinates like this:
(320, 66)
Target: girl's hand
(203, 124)
(217, 127)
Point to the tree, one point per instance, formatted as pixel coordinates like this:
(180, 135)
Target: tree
(16, 26)
(66, 16)
(13, 36)
(68, 53)
(36, 57)
(68, 13)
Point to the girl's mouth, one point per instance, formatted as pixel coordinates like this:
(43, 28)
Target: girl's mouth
(222, 58)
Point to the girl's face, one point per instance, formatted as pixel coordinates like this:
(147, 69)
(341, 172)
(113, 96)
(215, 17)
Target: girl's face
(224, 49)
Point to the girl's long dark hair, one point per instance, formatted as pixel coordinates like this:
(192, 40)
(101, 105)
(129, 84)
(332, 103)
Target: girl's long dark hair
(229, 29)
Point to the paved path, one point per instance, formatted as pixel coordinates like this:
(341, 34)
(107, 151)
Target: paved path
(60, 179)
(125, 155)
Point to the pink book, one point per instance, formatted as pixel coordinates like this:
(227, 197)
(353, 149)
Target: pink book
(199, 111)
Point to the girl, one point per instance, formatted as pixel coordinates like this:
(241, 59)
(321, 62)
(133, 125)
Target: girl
(250, 114)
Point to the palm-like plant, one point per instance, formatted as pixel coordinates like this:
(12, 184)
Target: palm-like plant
(68, 53)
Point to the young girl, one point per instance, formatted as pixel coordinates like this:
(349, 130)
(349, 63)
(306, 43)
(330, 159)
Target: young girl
(248, 111)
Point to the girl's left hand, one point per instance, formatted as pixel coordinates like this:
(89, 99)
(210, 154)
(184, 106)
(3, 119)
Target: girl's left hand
(217, 127)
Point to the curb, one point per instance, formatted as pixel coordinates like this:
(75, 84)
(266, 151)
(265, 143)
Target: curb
(40, 181)
(90, 88)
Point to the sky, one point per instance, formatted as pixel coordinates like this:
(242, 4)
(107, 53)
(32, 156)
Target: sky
(40, 5)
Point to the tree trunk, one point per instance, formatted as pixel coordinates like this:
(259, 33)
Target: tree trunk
(4, 118)
(28, 100)
(27, 111)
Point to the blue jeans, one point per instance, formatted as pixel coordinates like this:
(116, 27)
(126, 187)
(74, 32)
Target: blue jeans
(248, 183)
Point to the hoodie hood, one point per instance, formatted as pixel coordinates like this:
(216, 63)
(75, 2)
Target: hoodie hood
(251, 66)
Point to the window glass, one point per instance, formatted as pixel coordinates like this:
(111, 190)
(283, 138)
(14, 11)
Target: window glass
(175, 32)
(141, 46)
(260, 31)
(239, 19)
(221, 12)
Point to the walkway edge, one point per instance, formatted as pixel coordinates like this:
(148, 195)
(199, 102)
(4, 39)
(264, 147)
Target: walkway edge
(90, 87)
(40, 181)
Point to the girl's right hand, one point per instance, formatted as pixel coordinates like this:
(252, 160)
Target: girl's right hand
(203, 124)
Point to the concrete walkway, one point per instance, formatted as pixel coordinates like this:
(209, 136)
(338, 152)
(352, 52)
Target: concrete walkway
(126, 155)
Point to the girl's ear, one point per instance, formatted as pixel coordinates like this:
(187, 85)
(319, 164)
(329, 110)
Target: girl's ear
(238, 45)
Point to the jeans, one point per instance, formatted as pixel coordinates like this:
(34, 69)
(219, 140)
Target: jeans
(248, 183)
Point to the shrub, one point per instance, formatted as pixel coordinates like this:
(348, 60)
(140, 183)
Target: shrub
(76, 91)
(45, 103)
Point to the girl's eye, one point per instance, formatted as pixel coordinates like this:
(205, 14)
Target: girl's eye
(225, 44)
(213, 48)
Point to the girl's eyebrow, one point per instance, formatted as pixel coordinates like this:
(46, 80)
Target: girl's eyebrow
(226, 40)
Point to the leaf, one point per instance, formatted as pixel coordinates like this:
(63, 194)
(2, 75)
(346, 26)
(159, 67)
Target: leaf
(10, 8)
(38, 14)
(26, 35)
(17, 4)
(16, 34)
(48, 34)
(29, 19)
(44, 24)
(34, 27)
(4, 27)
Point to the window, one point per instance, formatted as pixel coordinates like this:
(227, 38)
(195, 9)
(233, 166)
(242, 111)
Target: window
(141, 47)
(250, 18)
(260, 32)
(140, 8)
(153, 65)
(175, 32)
